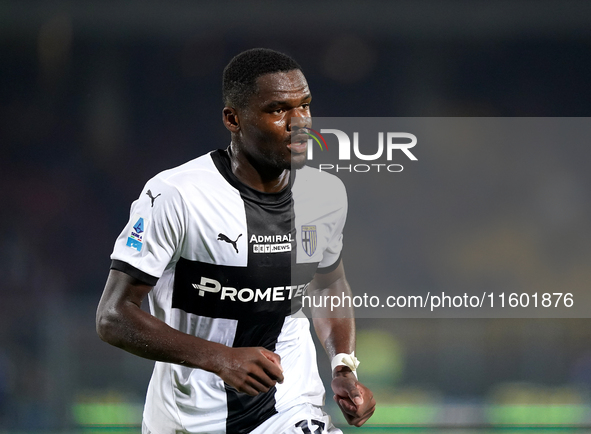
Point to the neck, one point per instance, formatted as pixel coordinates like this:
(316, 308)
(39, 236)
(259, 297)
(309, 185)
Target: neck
(264, 179)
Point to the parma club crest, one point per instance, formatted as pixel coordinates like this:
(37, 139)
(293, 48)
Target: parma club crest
(309, 239)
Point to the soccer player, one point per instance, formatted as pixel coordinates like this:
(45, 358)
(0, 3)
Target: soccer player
(224, 247)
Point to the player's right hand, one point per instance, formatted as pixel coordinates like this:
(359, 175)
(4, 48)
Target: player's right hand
(250, 370)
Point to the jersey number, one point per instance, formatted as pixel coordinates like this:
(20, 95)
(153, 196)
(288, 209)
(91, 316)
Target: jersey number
(303, 424)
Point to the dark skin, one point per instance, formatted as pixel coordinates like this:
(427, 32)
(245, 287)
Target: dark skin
(336, 331)
(121, 322)
(262, 157)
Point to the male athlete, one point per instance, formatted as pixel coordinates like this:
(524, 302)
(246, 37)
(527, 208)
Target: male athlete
(224, 247)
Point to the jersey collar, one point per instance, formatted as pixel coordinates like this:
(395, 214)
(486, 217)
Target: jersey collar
(221, 159)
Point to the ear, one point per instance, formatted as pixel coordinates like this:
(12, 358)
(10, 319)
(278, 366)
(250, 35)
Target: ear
(230, 119)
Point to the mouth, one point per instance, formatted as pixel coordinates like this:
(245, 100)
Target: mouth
(299, 143)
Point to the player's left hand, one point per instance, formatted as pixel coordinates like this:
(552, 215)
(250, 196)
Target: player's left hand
(353, 398)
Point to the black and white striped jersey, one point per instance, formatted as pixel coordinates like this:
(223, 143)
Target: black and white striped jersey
(230, 264)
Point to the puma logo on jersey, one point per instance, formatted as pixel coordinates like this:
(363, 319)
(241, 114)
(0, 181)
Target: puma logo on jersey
(222, 237)
(152, 198)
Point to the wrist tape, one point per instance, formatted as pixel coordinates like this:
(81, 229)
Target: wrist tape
(344, 359)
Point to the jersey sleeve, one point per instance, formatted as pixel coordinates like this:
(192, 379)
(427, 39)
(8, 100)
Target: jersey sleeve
(332, 254)
(154, 233)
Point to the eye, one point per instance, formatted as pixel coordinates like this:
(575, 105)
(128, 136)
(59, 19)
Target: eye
(306, 105)
(278, 111)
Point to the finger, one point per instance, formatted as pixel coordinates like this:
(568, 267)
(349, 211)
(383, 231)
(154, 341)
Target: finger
(365, 412)
(365, 415)
(350, 390)
(356, 413)
(248, 384)
(364, 419)
(346, 405)
(274, 372)
(355, 395)
(357, 421)
(368, 403)
(275, 358)
(261, 379)
(248, 389)
(351, 420)
(273, 367)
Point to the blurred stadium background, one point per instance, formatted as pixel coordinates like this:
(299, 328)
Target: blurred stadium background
(97, 97)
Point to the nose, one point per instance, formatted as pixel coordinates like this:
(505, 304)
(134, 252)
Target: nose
(298, 121)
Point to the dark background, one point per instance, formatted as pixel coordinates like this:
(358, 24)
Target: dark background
(97, 97)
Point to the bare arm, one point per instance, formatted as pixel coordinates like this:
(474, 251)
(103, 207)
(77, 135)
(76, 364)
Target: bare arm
(120, 321)
(336, 331)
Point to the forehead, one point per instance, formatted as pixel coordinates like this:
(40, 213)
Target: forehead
(282, 86)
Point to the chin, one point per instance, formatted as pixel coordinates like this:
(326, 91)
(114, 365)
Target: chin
(298, 161)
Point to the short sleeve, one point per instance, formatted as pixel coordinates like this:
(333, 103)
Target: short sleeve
(332, 254)
(154, 233)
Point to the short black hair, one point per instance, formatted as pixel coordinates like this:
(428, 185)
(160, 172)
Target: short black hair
(240, 75)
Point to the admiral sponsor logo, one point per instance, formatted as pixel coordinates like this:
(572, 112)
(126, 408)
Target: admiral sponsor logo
(271, 243)
(271, 238)
(274, 293)
(271, 248)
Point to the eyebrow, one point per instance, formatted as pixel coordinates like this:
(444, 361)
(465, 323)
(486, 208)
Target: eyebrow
(280, 103)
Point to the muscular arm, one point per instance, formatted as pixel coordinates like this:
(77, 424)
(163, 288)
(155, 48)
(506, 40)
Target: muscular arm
(120, 321)
(336, 331)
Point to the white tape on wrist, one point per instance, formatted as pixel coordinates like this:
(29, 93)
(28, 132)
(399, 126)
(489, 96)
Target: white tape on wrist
(344, 359)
